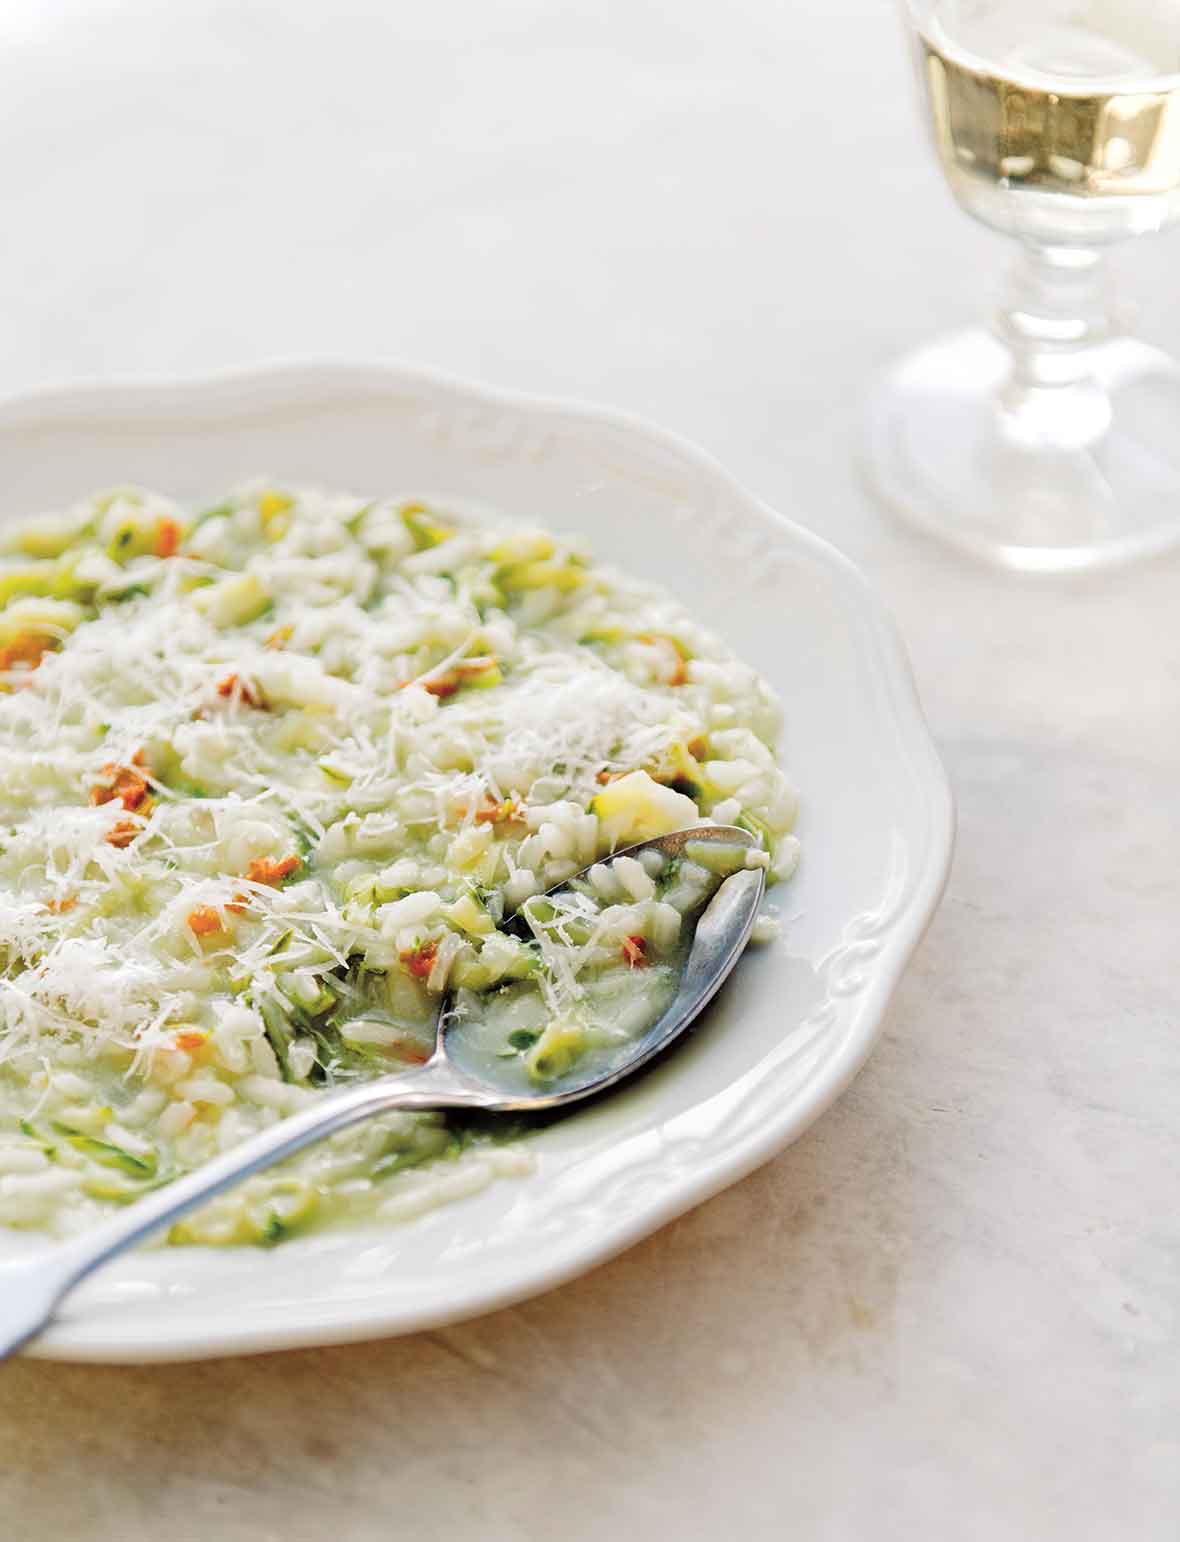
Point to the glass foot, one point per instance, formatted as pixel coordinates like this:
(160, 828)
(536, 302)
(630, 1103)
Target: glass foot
(1050, 478)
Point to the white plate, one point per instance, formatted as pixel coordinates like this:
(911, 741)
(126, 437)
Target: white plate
(797, 1020)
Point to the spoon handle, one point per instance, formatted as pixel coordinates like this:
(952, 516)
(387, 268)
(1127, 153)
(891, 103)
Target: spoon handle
(32, 1288)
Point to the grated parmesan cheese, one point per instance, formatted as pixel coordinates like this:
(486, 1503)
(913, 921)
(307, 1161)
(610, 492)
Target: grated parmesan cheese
(273, 765)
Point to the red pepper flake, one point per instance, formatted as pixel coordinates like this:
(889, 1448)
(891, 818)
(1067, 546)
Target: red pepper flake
(447, 684)
(27, 649)
(466, 669)
(58, 907)
(420, 960)
(191, 1039)
(234, 686)
(679, 675)
(493, 813)
(125, 783)
(122, 834)
(263, 870)
(204, 921)
(634, 952)
(604, 776)
(167, 538)
(408, 1052)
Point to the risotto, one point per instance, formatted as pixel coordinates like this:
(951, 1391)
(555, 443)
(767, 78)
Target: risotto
(274, 776)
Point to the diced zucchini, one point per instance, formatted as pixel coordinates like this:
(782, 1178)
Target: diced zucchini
(131, 531)
(49, 535)
(273, 503)
(233, 601)
(636, 808)
(483, 679)
(690, 886)
(469, 972)
(563, 576)
(720, 857)
(602, 635)
(32, 578)
(556, 1051)
(469, 916)
(755, 827)
(41, 617)
(279, 1031)
(523, 546)
(335, 772)
(424, 527)
(306, 991)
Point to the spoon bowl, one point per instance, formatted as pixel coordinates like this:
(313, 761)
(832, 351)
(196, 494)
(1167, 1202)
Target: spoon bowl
(31, 1289)
(720, 934)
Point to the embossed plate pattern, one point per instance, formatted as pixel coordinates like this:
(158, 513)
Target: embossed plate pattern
(797, 1020)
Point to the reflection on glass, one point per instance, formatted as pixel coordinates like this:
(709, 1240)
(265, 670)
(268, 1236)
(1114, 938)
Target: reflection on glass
(1047, 441)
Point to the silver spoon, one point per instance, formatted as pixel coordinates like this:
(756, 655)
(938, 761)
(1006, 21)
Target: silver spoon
(31, 1289)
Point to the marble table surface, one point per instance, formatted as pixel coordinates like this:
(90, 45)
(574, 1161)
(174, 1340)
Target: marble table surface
(950, 1309)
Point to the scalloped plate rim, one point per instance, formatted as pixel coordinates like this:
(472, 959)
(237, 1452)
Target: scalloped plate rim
(344, 1322)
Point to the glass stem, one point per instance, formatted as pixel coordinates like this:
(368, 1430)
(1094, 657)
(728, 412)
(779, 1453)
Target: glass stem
(1054, 315)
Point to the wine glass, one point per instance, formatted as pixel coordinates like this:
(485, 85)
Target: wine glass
(1048, 441)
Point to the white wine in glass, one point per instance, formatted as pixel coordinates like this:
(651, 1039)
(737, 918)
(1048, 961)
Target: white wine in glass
(1047, 441)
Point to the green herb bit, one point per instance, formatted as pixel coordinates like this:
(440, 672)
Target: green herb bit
(275, 1230)
(523, 1038)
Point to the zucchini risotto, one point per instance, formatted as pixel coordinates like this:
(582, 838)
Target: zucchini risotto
(274, 775)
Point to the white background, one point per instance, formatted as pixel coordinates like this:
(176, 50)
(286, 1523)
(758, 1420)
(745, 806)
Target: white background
(950, 1310)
